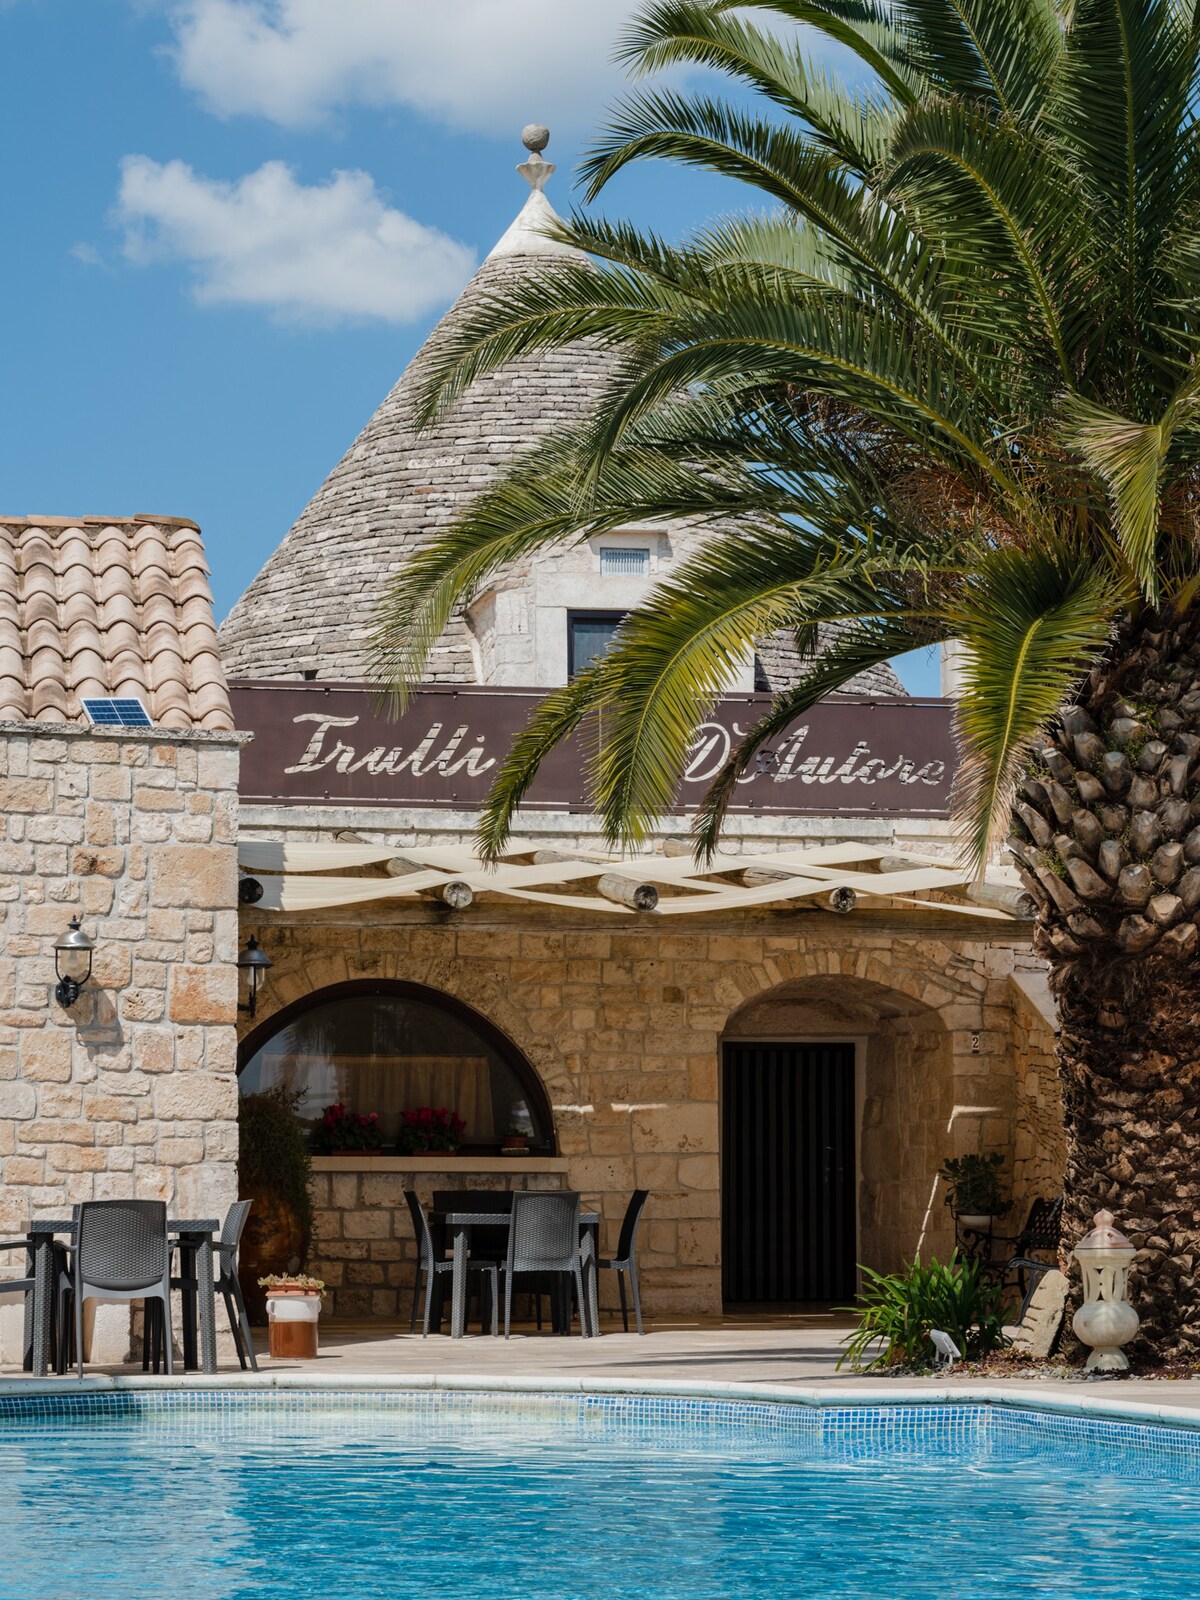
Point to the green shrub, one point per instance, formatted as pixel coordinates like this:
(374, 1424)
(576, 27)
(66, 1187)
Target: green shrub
(273, 1156)
(898, 1311)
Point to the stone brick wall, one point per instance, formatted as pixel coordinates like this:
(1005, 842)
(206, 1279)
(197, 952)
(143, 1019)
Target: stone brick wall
(1040, 1149)
(625, 1028)
(363, 1244)
(131, 1092)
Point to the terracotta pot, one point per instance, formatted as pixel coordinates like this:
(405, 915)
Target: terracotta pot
(272, 1238)
(293, 1326)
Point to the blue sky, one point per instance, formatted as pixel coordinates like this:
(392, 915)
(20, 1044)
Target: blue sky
(232, 222)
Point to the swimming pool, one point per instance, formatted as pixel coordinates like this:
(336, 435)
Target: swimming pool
(246, 1494)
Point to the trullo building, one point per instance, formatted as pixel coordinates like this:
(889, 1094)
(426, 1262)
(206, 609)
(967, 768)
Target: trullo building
(782, 1050)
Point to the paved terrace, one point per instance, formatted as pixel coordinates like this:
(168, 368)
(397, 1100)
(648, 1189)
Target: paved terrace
(798, 1350)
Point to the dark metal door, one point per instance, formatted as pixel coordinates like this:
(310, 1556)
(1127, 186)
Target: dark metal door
(787, 1172)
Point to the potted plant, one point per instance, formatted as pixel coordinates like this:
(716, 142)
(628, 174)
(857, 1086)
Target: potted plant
(430, 1128)
(342, 1132)
(973, 1189)
(274, 1168)
(516, 1141)
(293, 1309)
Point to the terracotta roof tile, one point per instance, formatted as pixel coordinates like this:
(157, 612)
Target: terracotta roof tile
(92, 606)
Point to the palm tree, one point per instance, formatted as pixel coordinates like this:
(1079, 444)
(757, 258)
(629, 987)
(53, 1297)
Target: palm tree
(944, 386)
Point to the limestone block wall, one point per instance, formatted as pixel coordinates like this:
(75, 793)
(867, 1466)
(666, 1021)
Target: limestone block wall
(131, 1092)
(363, 1245)
(625, 1026)
(905, 1092)
(1040, 1150)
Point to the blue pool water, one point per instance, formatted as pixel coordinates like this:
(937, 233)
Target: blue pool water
(430, 1494)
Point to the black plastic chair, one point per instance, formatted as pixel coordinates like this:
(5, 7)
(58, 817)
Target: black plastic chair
(227, 1285)
(1041, 1233)
(543, 1239)
(625, 1260)
(25, 1286)
(436, 1267)
(491, 1244)
(121, 1253)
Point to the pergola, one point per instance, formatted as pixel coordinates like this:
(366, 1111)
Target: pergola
(297, 877)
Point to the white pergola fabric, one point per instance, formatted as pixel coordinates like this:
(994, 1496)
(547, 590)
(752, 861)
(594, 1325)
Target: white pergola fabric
(313, 877)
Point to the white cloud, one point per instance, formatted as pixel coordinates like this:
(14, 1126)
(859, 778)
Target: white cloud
(483, 65)
(321, 253)
(83, 252)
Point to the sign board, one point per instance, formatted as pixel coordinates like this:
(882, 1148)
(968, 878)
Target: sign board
(335, 743)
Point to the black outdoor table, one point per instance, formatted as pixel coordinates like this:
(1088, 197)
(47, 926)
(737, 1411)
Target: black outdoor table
(461, 1223)
(194, 1237)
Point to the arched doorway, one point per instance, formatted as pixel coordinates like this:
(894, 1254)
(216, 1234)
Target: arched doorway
(836, 1106)
(387, 1047)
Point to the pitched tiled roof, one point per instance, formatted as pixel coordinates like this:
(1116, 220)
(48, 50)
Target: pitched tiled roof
(108, 606)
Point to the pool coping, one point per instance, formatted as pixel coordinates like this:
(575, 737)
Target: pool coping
(891, 1394)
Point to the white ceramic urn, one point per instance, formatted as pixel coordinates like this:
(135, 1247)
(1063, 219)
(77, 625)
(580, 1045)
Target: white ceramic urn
(1105, 1320)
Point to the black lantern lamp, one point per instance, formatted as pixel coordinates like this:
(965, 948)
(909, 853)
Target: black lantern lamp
(73, 963)
(255, 962)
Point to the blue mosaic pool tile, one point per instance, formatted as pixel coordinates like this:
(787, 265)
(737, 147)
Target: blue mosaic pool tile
(851, 1433)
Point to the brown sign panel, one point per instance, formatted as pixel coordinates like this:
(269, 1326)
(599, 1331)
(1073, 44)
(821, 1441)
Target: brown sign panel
(318, 742)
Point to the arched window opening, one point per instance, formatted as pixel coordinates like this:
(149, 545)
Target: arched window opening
(389, 1048)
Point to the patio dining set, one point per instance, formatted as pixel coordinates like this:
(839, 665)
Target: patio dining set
(540, 1242)
(133, 1250)
(127, 1250)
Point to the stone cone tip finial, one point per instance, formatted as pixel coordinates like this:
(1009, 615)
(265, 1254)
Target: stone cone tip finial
(535, 137)
(1104, 1235)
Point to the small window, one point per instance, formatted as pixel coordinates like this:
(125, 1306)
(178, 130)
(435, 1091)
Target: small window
(589, 634)
(624, 561)
(106, 712)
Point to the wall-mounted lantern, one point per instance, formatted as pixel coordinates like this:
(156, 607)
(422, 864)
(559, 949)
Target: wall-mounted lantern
(72, 963)
(255, 962)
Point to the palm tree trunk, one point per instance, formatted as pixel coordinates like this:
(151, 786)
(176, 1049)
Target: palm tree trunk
(1107, 834)
(1129, 1060)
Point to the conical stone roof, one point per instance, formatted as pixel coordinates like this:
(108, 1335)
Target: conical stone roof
(309, 612)
(310, 608)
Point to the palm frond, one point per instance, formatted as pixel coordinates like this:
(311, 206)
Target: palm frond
(824, 340)
(699, 131)
(995, 195)
(556, 719)
(865, 644)
(1119, 103)
(684, 646)
(697, 34)
(1131, 460)
(659, 36)
(1030, 624)
(989, 52)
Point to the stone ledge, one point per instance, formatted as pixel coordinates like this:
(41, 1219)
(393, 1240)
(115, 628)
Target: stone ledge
(445, 1162)
(154, 735)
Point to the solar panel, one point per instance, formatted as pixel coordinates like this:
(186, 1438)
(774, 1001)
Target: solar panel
(114, 713)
